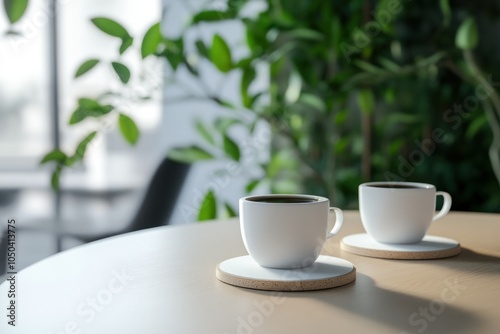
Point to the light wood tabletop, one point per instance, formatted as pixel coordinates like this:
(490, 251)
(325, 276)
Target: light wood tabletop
(163, 280)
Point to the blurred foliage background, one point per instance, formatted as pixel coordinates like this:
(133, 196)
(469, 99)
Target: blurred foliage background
(358, 91)
(372, 90)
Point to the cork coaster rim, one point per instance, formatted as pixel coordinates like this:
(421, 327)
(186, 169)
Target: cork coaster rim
(402, 254)
(292, 285)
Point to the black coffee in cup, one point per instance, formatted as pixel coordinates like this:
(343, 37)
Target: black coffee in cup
(281, 199)
(394, 186)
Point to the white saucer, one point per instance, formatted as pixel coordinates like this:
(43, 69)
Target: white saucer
(431, 247)
(326, 272)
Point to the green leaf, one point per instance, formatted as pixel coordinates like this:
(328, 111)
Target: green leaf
(341, 145)
(284, 19)
(208, 208)
(229, 211)
(384, 8)
(202, 49)
(88, 108)
(244, 63)
(151, 41)
(122, 71)
(174, 60)
(476, 126)
(86, 66)
(204, 133)
(446, 10)
(128, 128)
(366, 101)
(231, 148)
(126, 43)
(402, 118)
(220, 54)
(390, 65)
(15, 9)
(211, 16)
(55, 155)
(395, 146)
(82, 147)
(285, 186)
(189, 154)
(360, 78)
(174, 51)
(313, 101)
(248, 76)
(255, 98)
(278, 65)
(368, 67)
(467, 35)
(304, 33)
(88, 103)
(223, 103)
(281, 161)
(111, 27)
(80, 114)
(253, 125)
(174, 46)
(224, 123)
(56, 175)
(390, 95)
(252, 185)
(341, 116)
(235, 6)
(250, 38)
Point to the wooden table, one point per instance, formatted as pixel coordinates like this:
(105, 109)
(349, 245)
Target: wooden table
(162, 281)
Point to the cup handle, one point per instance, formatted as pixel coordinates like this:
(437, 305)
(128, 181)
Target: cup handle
(339, 221)
(446, 205)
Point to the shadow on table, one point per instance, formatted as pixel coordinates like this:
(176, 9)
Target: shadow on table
(406, 313)
(470, 261)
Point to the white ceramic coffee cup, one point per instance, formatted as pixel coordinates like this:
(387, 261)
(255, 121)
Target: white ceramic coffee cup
(286, 235)
(399, 212)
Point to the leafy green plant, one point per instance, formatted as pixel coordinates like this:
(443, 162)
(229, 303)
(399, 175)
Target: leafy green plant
(357, 92)
(353, 107)
(99, 108)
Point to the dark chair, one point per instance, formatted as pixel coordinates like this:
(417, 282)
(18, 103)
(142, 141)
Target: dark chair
(155, 210)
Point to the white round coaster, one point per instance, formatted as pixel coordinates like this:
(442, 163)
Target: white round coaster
(326, 272)
(431, 247)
